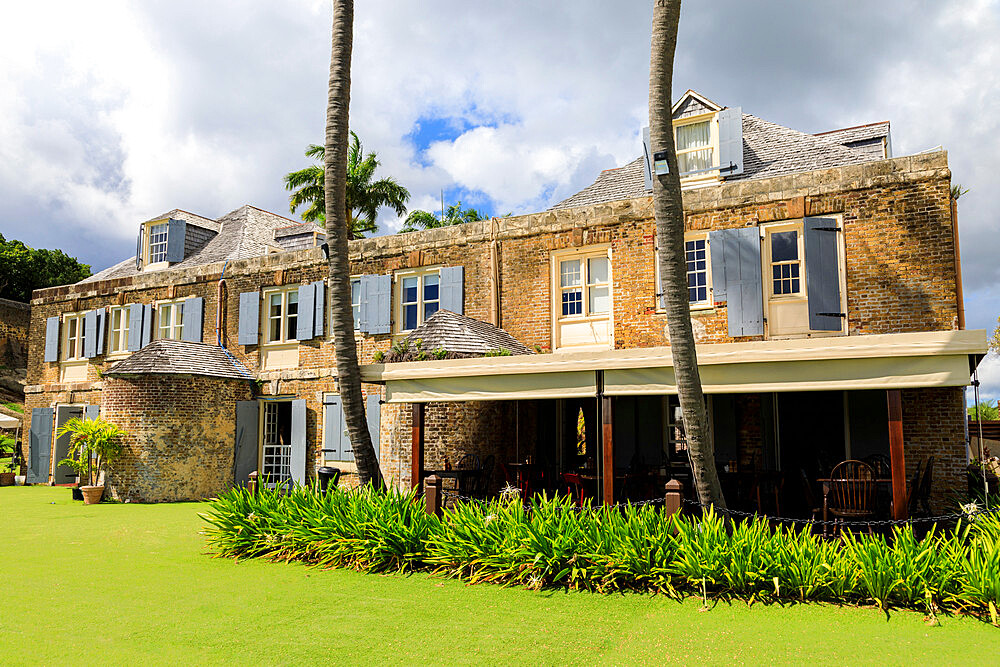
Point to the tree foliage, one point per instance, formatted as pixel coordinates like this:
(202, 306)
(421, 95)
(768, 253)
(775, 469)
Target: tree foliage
(987, 411)
(365, 196)
(453, 215)
(24, 269)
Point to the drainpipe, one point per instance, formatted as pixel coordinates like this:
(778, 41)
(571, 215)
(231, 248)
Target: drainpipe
(494, 274)
(958, 264)
(220, 305)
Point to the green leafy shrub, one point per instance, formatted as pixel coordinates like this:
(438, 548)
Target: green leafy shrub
(93, 444)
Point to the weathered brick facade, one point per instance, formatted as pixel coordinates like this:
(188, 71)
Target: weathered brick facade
(900, 277)
(14, 320)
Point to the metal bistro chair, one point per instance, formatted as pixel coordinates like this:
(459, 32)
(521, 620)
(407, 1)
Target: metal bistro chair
(481, 484)
(574, 487)
(852, 492)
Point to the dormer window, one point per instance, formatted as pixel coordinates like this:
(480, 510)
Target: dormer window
(160, 243)
(695, 144)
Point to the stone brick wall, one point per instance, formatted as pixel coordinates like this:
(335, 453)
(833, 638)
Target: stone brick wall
(181, 435)
(934, 425)
(15, 317)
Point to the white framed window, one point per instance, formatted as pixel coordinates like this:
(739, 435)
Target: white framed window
(118, 330)
(697, 255)
(696, 140)
(157, 242)
(582, 297)
(355, 303)
(281, 310)
(73, 334)
(170, 319)
(275, 442)
(785, 250)
(418, 297)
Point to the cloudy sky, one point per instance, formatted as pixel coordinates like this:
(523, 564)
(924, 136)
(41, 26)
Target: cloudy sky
(112, 112)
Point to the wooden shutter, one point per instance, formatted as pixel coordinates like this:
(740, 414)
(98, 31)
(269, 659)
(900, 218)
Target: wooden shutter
(175, 240)
(380, 304)
(40, 445)
(298, 441)
(306, 312)
(245, 451)
(363, 319)
(823, 274)
(452, 292)
(147, 324)
(740, 253)
(90, 334)
(52, 339)
(319, 297)
(717, 255)
(134, 327)
(101, 317)
(249, 324)
(91, 412)
(731, 141)
(373, 410)
(333, 428)
(647, 160)
(194, 310)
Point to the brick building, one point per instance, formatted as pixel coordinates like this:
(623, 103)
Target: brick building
(824, 295)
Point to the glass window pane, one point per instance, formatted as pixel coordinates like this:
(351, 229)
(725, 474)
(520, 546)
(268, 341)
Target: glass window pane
(597, 270)
(600, 300)
(410, 316)
(569, 273)
(694, 161)
(694, 135)
(784, 246)
(410, 290)
(430, 307)
(431, 283)
(572, 302)
(356, 310)
(274, 305)
(355, 291)
(274, 331)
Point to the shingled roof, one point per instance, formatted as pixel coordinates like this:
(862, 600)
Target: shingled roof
(769, 150)
(178, 357)
(463, 335)
(246, 232)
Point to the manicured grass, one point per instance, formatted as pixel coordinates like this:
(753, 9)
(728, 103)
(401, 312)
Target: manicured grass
(124, 583)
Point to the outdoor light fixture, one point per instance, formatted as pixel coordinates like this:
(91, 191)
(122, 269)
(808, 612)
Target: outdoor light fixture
(660, 165)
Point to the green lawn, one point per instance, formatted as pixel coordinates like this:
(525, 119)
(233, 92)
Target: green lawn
(123, 583)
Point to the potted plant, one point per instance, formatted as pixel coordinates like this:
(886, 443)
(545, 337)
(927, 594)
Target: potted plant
(93, 444)
(8, 447)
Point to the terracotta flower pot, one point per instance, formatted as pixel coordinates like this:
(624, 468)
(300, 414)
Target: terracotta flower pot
(92, 494)
(6, 479)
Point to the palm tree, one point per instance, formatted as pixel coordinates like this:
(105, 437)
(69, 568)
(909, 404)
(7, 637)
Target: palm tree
(668, 208)
(338, 231)
(453, 215)
(364, 196)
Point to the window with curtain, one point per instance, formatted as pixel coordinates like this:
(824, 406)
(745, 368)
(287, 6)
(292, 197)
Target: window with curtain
(694, 147)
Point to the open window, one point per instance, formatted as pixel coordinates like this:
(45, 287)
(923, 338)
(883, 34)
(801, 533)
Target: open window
(582, 298)
(160, 243)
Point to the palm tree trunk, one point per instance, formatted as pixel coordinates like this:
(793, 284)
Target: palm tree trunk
(668, 208)
(338, 233)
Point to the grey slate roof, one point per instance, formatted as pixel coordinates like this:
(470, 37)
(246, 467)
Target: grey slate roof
(178, 357)
(188, 217)
(871, 139)
(769, 150)
(463, 335)
(246, 232)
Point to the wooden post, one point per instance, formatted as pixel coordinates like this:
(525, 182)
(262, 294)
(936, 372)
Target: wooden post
(433, 500)
(252, 483)
(417, 455)
(674, 497)
(607, 451)
(896, 461)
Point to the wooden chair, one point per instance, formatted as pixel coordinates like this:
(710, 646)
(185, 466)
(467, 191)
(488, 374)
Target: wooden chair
(574, 487)
(815, 508)
(911, 490)
(482, 482)
(852, 492)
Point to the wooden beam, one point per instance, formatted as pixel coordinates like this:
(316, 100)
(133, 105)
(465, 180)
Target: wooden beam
(608, 451)
(896, 461)
(417, 455)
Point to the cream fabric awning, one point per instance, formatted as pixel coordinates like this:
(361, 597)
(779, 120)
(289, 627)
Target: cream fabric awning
(888, 361)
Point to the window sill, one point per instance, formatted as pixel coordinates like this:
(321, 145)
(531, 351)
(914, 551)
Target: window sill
(158, 266)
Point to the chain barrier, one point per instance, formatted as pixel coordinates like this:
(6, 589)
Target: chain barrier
(875, 523)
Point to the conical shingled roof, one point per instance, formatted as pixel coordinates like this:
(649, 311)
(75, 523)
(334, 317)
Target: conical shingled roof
(179, 357)
(463, 335)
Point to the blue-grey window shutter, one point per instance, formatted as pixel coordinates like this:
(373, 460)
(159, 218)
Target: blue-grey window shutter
(307, 310)
(249, 324)
(134, 327)
(731, 141)
(298, 441)
(52, 339)
(333, 428)
(320, 297)
(40, 445)
(91, 412)
(745, 307)
(147, 324)
(366, 290)
(101, 315)
(194, 313)
(380, 304)
(245, 453)
(717, 257)
(452, 292)
(373, 410)
(175, 240)
(138, 248)
(90, 334)
(823, 274)
(647, 160)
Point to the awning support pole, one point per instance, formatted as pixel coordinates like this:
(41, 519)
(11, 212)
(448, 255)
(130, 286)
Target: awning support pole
(608, 451)
(896, 462)
(417, 455)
